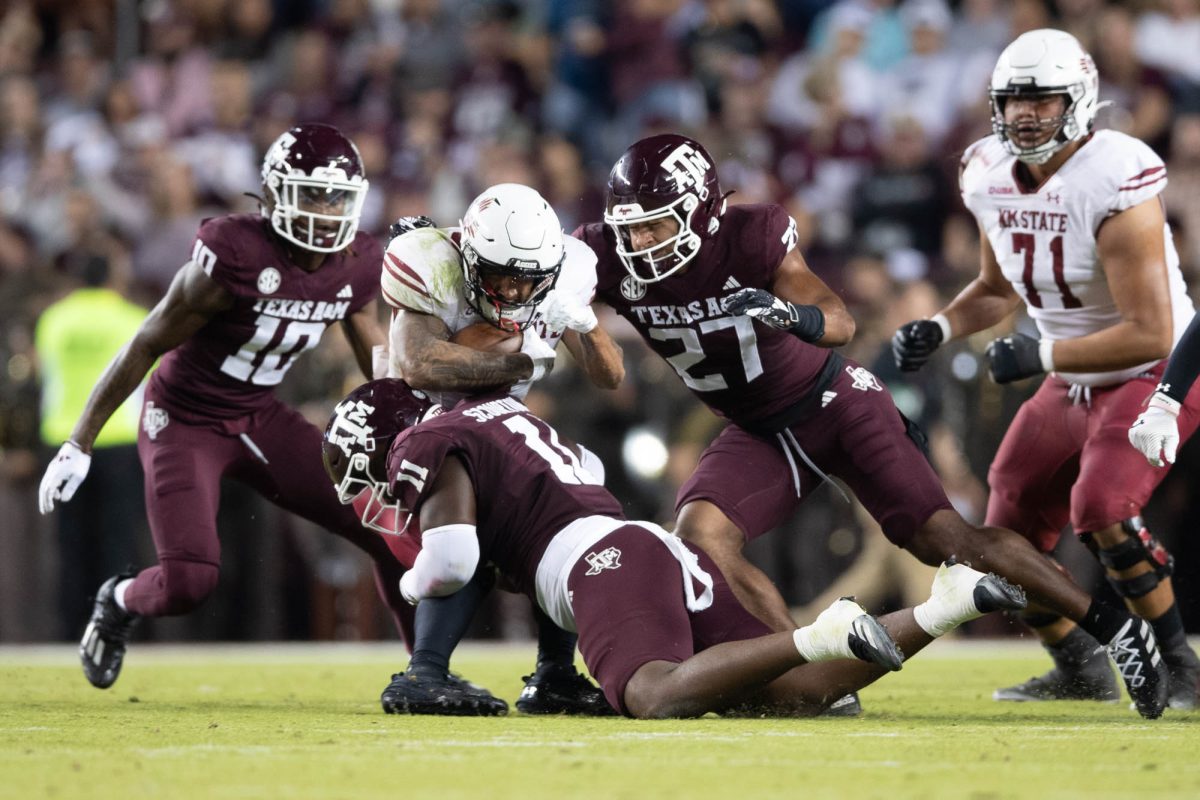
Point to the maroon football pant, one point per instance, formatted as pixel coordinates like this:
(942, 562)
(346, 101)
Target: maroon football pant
(857, 436)
(635, 613)
(184, 465)
(1064, 460)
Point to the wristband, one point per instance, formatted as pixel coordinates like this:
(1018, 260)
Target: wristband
(1046, 355)
(944, 324)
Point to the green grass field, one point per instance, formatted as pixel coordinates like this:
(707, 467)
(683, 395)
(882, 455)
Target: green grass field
(303, 722)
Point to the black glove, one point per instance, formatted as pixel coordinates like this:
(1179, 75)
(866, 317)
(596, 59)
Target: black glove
(915, 342)
(1014, 357)
(406, 224)
(805, 322)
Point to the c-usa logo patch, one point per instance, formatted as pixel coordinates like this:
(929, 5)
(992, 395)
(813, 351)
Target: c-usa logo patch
(632, 290)
(269, 280)
(608, 558)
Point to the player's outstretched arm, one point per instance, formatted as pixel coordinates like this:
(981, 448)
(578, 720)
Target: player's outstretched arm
(796, 283)
(598, 355)
(1156, 430)
(1131, 247)
(364, 334)
(449, 546)
(192, 299)
(422, 354)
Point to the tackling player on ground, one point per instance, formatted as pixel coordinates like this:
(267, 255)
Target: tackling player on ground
(726, 299)
(509, 268)
(1072, 226)
(658, 626)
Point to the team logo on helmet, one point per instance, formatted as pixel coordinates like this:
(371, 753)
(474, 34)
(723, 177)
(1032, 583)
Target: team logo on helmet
(688, 167)
(349, 427)
(269, 280)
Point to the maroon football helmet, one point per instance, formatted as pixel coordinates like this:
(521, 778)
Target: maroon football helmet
(664, 176)
(355, 449)
(315, 185)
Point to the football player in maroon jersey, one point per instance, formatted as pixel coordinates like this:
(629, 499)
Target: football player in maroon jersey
(257, 292)
(488, 482)
(723, 296)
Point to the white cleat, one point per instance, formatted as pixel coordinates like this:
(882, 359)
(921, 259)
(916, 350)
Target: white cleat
(961, 594)
(845, 630)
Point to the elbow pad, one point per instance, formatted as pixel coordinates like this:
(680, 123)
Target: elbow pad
(447, 561)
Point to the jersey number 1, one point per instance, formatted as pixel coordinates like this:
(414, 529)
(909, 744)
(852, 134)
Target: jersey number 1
(1025, 244)
(563, 462)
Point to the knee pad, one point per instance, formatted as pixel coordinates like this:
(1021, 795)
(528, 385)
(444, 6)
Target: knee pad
(1138, 547)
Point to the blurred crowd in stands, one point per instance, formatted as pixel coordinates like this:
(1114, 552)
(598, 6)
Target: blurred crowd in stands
(123, 123)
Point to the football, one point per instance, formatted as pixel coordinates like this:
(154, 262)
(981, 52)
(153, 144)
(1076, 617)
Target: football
(488, 338)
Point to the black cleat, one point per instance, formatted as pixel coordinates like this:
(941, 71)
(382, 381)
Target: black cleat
(1184, 670)
(847, 705)
(870, 641)
(102, 649)
(1135, 652)
(993, 593)
(560, 689)
(446, 695)
(1094, 681)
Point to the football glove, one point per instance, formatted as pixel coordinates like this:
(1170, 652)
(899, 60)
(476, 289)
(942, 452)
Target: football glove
(915, 342)
(406, 224)
(805, 322)
(561, 311)
(63, 476)
(1156, 430)
(1013, 357)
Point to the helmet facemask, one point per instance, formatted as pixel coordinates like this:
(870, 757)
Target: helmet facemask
(318, 212)
(372, 499)
(1063, 129)
(480, 277)
(663, 259)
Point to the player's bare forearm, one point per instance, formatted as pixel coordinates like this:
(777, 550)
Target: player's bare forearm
(979, 306)
(363, 333)
(427, 359)
(1121, 346)
(598, 355)
(190, 302)
(117, 382)
(754, 591)
(839, 325)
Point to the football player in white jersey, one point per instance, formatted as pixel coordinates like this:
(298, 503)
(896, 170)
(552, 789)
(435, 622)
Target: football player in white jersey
(508, 265)
(1072, 224)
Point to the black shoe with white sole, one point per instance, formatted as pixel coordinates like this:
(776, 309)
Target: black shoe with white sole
(102, 649)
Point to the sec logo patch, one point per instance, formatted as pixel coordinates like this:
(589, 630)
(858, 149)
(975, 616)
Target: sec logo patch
(269, 280)
(632, 289)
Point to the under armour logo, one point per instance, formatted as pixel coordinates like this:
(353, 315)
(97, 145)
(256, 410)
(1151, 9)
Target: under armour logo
(863, 379)
(608, 558)
(154, 420)
(1054, 197)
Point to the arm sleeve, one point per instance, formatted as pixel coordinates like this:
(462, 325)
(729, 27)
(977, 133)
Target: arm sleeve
(448, 558)
(1184, 365)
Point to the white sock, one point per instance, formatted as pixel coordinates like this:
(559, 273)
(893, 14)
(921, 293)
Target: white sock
(119, 592)
(930, 620)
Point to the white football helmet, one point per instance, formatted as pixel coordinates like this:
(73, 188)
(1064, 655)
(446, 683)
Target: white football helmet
(1045, 62)
(510, 231)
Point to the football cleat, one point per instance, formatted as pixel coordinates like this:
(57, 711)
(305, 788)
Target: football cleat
(1135, 652)
(1093, 680)
(960, 594)
(560, 689)
(847, 705)
(1184, 670)
(870, 641)
(445, 695)
(102, 649)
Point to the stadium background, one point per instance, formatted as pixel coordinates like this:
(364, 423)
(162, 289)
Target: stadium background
(124, 123)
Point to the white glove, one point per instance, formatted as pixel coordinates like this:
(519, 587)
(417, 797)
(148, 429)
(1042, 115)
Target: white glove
(1156, 432)
(63, 476)
(542, 354)
(561, 311)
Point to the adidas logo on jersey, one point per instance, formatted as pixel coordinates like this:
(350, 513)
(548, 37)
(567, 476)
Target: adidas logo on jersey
(827, 398)
(346, 291)
(731, 284)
